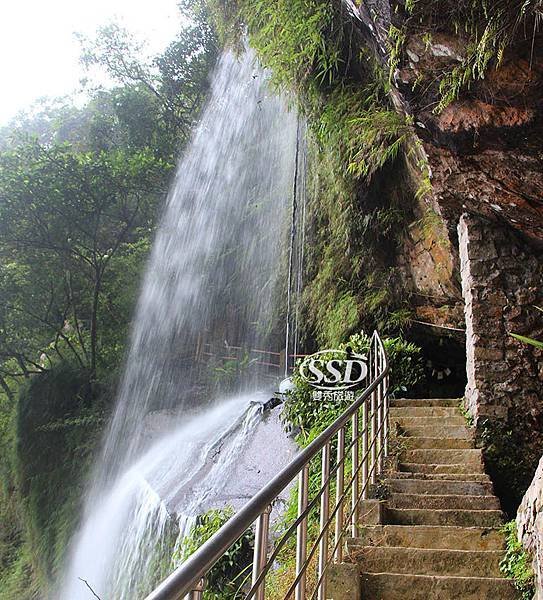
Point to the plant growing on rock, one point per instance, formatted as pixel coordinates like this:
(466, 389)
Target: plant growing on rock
(312, 416)
(226, 579)
(516, 564)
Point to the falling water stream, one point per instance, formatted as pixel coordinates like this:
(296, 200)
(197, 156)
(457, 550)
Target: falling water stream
(214, 273)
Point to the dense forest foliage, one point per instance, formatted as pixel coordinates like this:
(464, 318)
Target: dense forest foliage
(80, 193)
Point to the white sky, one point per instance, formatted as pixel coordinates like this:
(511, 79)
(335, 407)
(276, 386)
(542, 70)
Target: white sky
(39, 55)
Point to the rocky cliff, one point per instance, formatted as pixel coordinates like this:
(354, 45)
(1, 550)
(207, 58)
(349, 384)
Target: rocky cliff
(469, 79)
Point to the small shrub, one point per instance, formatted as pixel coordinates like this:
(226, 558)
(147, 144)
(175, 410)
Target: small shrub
(227, 577)
(517, 564)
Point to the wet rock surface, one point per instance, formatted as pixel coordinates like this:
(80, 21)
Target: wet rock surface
(269, 450)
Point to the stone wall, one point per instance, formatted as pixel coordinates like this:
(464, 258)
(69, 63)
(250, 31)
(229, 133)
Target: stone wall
(530, 526)
(501, 283)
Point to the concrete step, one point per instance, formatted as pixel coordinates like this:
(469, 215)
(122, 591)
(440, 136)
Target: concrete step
(444, 502)
(433, 430)
(480, 477)
(442, 456)
(424, 486)
(457, 518)
(449, 421)
(435, 443)
(392, 586)
(430, 536)
(424, 411)
(454, 468)
(455, 402)
(422, 561)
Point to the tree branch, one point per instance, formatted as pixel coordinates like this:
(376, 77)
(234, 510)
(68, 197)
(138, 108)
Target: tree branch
(88, 585)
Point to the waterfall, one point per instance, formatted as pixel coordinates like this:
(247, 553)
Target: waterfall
(214, 274)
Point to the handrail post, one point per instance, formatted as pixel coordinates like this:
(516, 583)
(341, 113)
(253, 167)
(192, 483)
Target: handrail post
(261, 551)
(198, 591)
(325, 511)
(340, 487)
(355, 459)
(301, 532)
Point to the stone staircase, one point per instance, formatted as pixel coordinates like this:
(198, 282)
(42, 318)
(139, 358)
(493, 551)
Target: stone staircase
(436, 537)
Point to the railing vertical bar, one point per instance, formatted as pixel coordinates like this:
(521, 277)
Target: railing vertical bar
(373, 440)
(340, 488)
(301, 533)
(355, 459)
(365, 449)
(371, 360)
(380, 416)
(261, 551)
(386, 415)
(325, 511)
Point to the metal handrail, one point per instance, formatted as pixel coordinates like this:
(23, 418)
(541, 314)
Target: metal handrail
(367, 462)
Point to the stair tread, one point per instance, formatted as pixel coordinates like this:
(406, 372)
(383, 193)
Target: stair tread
(474, 477)
(451, 468)
(423, 561)
(412, 442)
(431, 411)
(398, 402)
(415, 495)
(394, 586)
(457, 516)
(431, 487)
(453, 510)
(442, 456)
(434, 430)
(444, 501)
(445, 537)
(428, 551)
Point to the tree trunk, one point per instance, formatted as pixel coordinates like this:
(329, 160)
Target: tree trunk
(94, 320)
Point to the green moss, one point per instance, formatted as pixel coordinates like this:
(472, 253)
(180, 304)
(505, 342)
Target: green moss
(16, 575)
(517, 563)
(299, 40)
(465, 413)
